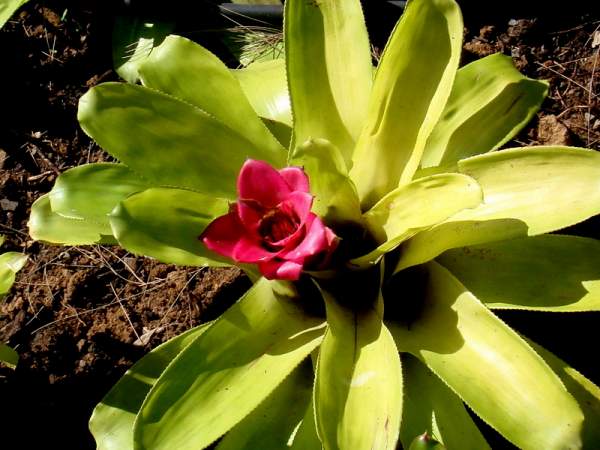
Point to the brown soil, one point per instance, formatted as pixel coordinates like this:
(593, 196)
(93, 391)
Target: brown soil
(79, 317)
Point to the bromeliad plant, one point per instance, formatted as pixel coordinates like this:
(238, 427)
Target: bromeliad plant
(379, 243)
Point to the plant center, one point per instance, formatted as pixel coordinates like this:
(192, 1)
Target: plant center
(277, 225)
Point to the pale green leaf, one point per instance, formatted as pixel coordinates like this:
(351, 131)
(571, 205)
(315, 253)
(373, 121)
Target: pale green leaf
(489, 103)
(10, 264)
(112, 421)
(46, 225)
(358, 388)
(166, 224)
(336, 200)
(422, 203)
(306, 437)
(133, 40)
(168, 141)
(547, 273)
(583, 390)
(429, 405)
(91, 191)
(490, 367)
(8, 8)
(416, 206)
(189, 72)
(526, 192)
(8, 356)
(227, 372)
(412, 83)
(329, 80)
(272, 424)
(265, 86)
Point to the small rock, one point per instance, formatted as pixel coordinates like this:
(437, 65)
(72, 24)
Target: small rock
(8, 205)
(3, 158)
(515, 52)
(552, 132)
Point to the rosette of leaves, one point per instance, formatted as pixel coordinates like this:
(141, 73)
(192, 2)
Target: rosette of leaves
(10, 264)
(438, 228)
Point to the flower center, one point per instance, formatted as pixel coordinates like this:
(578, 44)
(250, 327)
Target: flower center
(277, 225)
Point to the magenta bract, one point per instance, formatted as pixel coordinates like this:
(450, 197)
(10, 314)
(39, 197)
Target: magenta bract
(271, 224)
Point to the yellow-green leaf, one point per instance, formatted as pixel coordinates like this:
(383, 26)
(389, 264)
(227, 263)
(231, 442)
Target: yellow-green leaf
(169, 141)
(416, 206)
(358, 389)
(429, 405)
(583, 390)
(412, 83)
(91, 191)
(336, 200)
(329, 80)
(265, 86)
(546, 273)
(490, 102)
(271, 426)
(46, 225)
(166, 224)
(526, 192)
(112, 420)
(189, 72)
(228, 371)
(490, 367)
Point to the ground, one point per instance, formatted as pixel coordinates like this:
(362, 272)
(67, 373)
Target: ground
(79, 317)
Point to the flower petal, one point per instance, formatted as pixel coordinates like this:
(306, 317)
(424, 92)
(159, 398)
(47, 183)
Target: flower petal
(249, 250)
(315, 241)
(280, 270)
(223, 234)
(250, 213)
(260, 182)
(296, 178)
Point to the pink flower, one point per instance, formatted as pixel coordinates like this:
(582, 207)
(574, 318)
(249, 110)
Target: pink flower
(271, 224)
